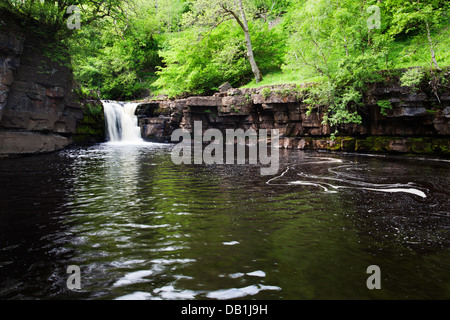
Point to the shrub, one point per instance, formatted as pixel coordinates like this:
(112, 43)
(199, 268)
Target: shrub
(384, 106)
(266, 92)
(412, 78)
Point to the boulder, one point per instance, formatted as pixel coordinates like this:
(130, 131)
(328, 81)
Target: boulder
(225, 87)
(30, 143)
(447, 112)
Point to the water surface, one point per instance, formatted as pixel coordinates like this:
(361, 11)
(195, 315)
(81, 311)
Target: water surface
(141, 227)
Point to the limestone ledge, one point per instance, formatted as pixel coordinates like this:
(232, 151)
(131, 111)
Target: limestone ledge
(27, 143)
(379, 144)
(415, 124)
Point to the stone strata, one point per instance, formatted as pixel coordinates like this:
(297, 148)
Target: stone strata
(40, 110)
(417, 122)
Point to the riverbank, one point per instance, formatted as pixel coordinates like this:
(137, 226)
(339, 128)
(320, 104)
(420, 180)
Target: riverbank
(415, 122)
(42, 108)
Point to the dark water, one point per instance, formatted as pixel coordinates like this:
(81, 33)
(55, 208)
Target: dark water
(141, 227)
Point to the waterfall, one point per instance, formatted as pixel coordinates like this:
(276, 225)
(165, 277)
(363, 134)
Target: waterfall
(121, 122)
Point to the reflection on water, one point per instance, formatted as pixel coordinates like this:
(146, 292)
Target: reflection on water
(141, 227)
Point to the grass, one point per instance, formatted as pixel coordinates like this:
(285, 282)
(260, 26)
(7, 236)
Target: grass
(279, 78)
(404, 53)
(408, 53)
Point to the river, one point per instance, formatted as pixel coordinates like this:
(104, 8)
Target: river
(134, 225)
(141, 227)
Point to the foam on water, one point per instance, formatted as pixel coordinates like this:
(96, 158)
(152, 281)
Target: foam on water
(348, 182)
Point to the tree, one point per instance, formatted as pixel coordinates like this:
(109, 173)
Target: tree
(215, 12)
(422, 17)
(53, 14)
(217, 58)
(118, 57)
(331, 39)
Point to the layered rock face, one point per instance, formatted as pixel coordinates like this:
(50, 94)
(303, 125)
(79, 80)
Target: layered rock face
(40, 110)
(417, 123)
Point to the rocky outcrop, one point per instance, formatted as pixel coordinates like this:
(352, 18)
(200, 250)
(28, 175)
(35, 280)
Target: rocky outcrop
(416, 123)
(41, 109)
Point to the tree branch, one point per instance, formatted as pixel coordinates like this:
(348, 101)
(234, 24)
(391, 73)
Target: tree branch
(235, 16)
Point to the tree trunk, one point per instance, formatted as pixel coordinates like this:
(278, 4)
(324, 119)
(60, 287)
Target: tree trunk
(251, 57)
(430, 41)
(433, 55)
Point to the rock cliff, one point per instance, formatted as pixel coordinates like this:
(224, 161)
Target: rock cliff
(41, 109)
(417, 122)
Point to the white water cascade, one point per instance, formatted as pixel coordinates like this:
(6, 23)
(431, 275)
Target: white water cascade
(121, 122)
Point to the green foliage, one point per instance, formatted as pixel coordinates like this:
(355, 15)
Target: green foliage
(51, 16)
(339, 105)
(121, 63)
(234, 109)
(134, 48)
(332, 39)
(384, 105)
(195, 61)
(266, 92)
(426, 20)
(412, 78)
(82, 93)
(95, 110)
(285, 92)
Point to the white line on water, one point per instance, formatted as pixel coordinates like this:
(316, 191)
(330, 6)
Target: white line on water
(388, 188)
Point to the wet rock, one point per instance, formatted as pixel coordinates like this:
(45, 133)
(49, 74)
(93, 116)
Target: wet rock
(348, 144)
(311, 121)
(400, 145)
(414, 112)
(6, 76)
(55, 92)
(11, 43)
(30, 143)
(447, 112)
(3, 96)
(294, 129)
(281, 116)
